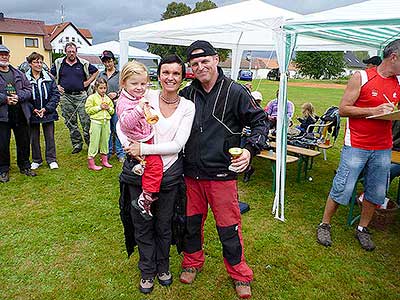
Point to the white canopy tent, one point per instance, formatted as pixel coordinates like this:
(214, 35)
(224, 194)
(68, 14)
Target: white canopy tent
(114, 47)
(255, 25)
(247, 25)
(370, 24)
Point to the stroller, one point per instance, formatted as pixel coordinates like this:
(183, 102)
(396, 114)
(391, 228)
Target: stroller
(322, 132)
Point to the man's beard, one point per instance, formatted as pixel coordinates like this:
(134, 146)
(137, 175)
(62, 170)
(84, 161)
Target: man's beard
(4, 63)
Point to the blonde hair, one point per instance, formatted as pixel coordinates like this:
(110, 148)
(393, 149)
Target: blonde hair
(307, 109)
(132, 68)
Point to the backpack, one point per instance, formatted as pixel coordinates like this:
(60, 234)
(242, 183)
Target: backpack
(332, 115)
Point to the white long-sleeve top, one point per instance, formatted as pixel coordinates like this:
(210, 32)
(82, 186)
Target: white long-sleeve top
(171, 134)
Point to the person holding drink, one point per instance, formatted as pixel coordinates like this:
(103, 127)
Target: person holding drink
(223, 109)
(135, 121)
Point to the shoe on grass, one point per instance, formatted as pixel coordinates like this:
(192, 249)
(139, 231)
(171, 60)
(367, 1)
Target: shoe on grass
(165, 279)
(188, 275)
(243, 289)
(76, 150)
(324, 234)
(53, 165)
(364, 237)
(28, 172)
(146, 285)
(35, 165)
(4, 177)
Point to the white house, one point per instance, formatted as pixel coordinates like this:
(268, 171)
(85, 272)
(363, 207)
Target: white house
(60, 34)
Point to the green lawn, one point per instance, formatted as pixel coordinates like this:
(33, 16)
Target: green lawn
(61, 237)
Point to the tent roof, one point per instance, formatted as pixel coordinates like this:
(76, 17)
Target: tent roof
(372, 23)
(114, 46)
(246, 25)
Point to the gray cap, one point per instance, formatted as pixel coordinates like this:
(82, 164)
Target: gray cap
(4, 49)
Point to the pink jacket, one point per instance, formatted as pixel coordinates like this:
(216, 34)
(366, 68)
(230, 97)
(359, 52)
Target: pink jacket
(131, 118)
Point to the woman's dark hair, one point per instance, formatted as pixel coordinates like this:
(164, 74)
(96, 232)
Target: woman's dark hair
(34, 56)
(170, 59)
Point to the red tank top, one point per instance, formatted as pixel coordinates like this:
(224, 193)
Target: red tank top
(369, 134)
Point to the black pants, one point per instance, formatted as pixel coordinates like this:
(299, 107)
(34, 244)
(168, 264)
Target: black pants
(21, 134)
(48, 132)
(153, 237)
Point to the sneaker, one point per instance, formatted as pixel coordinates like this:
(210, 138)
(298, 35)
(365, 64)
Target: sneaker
(144, 202)
(165, 279)
(146, 285)
(188, 275)
(53, 165)
(121, 159)
(248, 173)
(35, 165)
(243, 289)
(364, 237)
(76, 150)
(28, 172)
(324, 234)
(4, 177)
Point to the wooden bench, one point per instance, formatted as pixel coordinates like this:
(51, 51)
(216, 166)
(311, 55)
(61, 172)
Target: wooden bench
(272, 157)
(304, 155)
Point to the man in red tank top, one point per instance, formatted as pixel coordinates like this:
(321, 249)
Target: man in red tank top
(367, 143)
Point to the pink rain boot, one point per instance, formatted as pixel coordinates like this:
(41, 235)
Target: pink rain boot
(104, 161)
(92, 165)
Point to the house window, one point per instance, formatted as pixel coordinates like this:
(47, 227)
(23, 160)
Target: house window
(73, 39)
(1, 40)
(30, 42)
(67, 39)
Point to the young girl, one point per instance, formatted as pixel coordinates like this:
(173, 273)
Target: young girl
(135, 119)
(309, 118)
(100, 108)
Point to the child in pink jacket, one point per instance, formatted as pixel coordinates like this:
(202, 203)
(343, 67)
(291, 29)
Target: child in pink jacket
(135, 119)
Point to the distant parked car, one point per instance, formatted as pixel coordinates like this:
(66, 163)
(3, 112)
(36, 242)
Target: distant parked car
(189, 73)
(153, 74)
(274, 74)
(246, 75)
(24, 67)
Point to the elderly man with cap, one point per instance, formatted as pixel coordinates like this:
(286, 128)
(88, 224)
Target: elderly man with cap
(223, 109)
(373, 61)
(73, 76)
(15, 113)
(111, 74)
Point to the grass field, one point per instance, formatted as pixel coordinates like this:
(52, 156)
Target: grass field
(61, 237)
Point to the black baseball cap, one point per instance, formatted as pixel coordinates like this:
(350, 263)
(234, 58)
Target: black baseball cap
(4, 49)
(106, 55)
(207, 48)
(374, 60)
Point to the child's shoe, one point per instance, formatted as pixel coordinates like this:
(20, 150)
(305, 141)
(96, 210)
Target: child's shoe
(92, 165)
(104, 161)
(138, 169)
(144, 202)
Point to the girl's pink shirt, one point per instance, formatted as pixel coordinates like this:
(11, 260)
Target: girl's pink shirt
(131, 118)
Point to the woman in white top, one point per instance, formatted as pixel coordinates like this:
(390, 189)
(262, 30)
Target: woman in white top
(153, 237)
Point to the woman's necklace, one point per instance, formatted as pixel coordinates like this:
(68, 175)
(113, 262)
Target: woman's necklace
(174, 100)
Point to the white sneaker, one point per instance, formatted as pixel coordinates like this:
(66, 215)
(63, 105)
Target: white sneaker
(53, 165)
(35, 165)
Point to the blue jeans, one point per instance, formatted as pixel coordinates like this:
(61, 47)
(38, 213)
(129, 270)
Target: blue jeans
(114, 140)
(376, 166)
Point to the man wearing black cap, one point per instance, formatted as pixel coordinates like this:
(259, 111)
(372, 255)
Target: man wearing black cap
(15, 113)
(111, 74)
(73, 76)
(223, 109)
(373, 61)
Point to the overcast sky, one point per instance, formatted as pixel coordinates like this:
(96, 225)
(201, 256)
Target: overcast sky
(105, 18)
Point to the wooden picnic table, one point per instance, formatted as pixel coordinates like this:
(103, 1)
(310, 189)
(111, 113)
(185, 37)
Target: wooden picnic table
(272, 157)
(305, 156)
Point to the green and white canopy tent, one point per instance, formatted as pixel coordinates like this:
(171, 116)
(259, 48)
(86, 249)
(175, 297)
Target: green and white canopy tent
(370, 24)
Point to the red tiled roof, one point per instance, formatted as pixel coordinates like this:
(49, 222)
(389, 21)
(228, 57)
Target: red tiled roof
(54, 30)
(24, 26)
(94, 60)
(11, 25)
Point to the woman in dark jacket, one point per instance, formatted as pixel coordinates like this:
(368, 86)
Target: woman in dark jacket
(45, 98)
